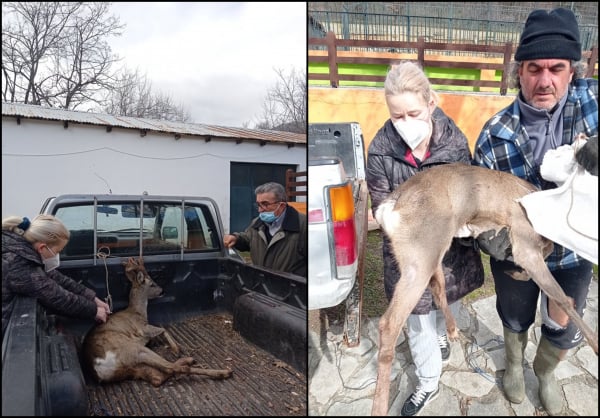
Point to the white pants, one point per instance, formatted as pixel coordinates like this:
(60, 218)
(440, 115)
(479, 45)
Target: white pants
(423, 331)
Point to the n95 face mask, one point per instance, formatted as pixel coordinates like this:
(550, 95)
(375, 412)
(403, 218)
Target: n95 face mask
(413, 131)
(52, 262)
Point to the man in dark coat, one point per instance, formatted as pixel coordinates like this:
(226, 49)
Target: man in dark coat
(277, 238)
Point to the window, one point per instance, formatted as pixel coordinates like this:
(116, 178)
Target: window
(121, 227)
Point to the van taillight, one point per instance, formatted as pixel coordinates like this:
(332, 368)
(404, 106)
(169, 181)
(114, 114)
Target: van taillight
(342, 215)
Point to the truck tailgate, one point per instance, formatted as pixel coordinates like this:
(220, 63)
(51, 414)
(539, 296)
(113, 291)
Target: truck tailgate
(261, 384)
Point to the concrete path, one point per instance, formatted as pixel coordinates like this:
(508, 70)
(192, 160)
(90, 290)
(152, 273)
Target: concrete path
(342, 379)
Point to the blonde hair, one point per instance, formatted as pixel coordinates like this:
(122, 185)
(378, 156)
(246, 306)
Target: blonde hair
(43, 228)
(408, 77)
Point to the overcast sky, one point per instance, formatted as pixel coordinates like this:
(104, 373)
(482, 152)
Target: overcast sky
(216, 59)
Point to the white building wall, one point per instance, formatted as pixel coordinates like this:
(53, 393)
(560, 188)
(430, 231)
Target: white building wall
(40, 158)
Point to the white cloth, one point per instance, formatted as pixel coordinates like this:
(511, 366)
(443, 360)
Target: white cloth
(567, 215)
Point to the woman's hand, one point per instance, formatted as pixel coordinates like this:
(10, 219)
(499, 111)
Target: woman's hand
(103, 310)
(101, 314)
(102, 304)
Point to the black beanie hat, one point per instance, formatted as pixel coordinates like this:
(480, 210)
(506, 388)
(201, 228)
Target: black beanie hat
(553, 34)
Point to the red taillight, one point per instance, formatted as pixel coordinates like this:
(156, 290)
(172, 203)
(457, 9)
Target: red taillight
(342, 215)
(345, 242)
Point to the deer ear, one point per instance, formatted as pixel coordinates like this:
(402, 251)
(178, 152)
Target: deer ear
(129, 264)
(140, 277)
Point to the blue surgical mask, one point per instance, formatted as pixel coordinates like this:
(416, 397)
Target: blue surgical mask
(267, 217)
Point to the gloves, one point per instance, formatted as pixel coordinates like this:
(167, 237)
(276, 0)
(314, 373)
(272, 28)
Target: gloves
(497, 245)
(587, 156)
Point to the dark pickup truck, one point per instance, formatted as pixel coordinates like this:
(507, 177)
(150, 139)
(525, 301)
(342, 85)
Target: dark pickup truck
(222, 311)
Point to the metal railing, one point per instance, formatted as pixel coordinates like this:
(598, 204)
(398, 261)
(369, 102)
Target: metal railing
(406, 26)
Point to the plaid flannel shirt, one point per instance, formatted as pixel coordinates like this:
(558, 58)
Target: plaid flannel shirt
(504, 145)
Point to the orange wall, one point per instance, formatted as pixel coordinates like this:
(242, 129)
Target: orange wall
(367, 106)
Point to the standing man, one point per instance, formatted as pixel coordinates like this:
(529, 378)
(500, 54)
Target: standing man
(554, 104)
(277, 238)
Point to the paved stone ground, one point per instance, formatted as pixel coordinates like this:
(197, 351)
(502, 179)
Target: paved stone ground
(342, 379)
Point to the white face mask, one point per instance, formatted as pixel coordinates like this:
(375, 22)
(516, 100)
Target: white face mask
(413, 131)
(52, 262)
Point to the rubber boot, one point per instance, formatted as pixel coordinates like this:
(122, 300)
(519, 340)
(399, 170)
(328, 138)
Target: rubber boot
(513, 380)
(546, 360)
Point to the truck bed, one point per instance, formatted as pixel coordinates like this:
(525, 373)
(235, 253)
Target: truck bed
(261, 384)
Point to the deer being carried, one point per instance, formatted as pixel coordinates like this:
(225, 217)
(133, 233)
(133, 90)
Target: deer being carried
(116, 350)
(460, 200)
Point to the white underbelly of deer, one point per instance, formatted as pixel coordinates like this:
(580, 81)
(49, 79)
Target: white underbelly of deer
(116, 350)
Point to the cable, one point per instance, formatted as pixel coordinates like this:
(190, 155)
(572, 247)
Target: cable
(474, 353)
(137, 155)
(338, 359)
(104, 255)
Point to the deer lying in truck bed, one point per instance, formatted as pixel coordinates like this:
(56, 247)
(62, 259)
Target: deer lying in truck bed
(424, 214)
(116, 350)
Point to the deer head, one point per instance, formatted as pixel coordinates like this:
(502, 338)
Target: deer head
(143, 287)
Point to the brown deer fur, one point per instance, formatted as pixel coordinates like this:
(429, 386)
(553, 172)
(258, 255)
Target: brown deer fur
(423, 215)
(116, 350)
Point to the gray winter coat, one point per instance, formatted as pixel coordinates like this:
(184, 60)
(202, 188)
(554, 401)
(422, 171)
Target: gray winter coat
(387, 168)
(23, 274)
(287, 250)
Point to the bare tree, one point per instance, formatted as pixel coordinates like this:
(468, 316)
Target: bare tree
(132, 95)
(55, 53)
(285, 104)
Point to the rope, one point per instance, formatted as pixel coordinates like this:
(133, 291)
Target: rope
(103, 253)
(578, 169)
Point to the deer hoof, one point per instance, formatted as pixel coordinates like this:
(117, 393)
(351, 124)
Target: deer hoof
(452, 334)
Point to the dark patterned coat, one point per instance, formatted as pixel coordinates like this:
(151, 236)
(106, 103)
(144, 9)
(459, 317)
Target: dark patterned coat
(387, 168)
(23, 274)
(287, 251)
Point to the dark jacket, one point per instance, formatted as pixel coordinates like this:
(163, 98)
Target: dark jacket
(287, 250)
(387, 168)
(23, 274)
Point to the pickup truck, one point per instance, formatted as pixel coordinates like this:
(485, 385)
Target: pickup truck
(224, 312)
(337, 220)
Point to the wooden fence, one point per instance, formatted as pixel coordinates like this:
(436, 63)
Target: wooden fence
(295, 187)
(334, 58)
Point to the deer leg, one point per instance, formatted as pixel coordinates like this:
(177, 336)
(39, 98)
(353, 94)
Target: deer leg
(171, 341)
(212, 373)
(530, 258)
(407, 293)
(181, 366)
(185, 367)
(152, 332)
(546, 282)
(150, 374)
(438, 291)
